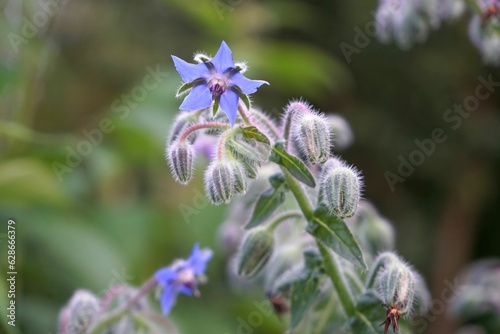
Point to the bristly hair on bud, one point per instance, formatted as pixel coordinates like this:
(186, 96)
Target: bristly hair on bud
(180, 157)
(255, 251)
(397, 285)
(240, 177)
(312, 134)
(340, 190)
(220, 182)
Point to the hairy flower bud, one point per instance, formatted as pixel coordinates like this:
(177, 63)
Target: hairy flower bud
(313, 137)
(240, 178)
(180, 156)
(220, 182)
(243, 150)
(341, 190)
(79, 314)
(396, 284)
(486, 36)
(181, 123)
(255, 251)
(251, 168)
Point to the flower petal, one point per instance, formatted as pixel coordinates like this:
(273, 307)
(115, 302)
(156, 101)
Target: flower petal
(185, 290)
(198, 259)
(165, 275)
(199, 98)
(190, 72)
(246, 85)
(168, 297)
(229, 104)
(223, 60)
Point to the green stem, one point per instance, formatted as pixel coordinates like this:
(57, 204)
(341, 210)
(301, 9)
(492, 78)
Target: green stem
(338, 280)
(331, 265)
(379, 264)
(300, 196)
(111, 317)
(282, 217)
(199, 126)
(243, 114)
(266, 122)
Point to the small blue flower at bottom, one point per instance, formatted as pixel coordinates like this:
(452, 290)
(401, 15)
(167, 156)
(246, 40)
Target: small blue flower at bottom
(182, 277)
(216, 80)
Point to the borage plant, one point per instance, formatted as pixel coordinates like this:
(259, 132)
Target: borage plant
(326, 259)
(322, 255)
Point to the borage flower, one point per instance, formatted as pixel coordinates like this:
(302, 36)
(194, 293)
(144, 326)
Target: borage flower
(217, 80)
(182, 277)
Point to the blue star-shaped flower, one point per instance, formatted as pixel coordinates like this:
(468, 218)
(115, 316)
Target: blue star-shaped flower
(181, 277)
(216, 80)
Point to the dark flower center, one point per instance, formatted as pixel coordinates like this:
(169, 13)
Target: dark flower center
(216, 90)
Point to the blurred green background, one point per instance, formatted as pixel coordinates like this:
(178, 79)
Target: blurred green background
(115, 215)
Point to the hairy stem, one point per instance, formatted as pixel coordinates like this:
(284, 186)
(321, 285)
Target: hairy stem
(243, 113)
(266, 122)
(113, 316)
(331, 265)
(199, 126)
(338, 280)
(299, 194)
(284, 216)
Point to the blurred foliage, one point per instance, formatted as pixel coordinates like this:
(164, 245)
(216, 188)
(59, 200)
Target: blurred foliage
(115, 215)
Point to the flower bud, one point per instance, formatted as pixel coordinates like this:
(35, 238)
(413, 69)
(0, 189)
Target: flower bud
(255, 251)
(240, 178)
(180, 156)
(181, 123)
(79, 314)
(313, 137)
(341, 190)
(220, 182)
(486, 37)
(251, 168)
(243, 150)
(340, 132)
(396, 283)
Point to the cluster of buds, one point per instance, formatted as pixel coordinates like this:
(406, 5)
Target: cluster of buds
(484, 30)
(406, 22)
(409, 22)
(287, 250)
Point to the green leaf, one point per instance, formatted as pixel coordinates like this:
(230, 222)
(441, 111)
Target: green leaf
(254, 133)
(185, 87)
(334, 233)
(267, 203)
(215, 107)
(369, 314)
(242, 96)
(293, 164)
(306, 289)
